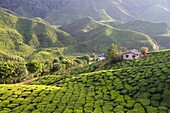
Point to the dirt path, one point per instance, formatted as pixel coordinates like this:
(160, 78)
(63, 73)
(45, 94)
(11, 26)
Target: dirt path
(157, 48)
(27, 81)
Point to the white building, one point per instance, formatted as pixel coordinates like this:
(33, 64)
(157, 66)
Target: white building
(131, 54)
(101, 57)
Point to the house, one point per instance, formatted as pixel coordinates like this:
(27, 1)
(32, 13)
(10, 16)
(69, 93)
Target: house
(101, 57)
(131, 54)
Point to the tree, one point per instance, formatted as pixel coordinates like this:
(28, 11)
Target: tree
(68, 63)
(86, 57)
(113, 53)
(33, 66)
(10, 72)
(55, 67)
(144, 49)
(94, 56)
(56, 60)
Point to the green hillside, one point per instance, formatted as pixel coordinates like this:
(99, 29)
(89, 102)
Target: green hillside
(158, 31)
(99, 39)
(85, 24)
(143, 87)
(101, 10)
(21, 36)
(80, 28)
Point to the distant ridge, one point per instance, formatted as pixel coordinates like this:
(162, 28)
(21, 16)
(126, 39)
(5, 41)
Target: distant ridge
(92, 36)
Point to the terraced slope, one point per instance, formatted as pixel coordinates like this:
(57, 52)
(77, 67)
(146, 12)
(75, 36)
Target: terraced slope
(142, 88)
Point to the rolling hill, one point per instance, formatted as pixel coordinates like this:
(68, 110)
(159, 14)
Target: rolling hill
(21, 36)
(92, 36)
(158, 31)
(79, 28)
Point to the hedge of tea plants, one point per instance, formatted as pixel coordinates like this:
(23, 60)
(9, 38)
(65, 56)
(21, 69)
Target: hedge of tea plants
(27, 99)
(141, 89)
(131, 89)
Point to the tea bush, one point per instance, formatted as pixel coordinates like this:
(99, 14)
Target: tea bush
(142, 88)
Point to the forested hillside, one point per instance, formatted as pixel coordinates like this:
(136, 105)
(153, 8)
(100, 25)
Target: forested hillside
(92, 36)
(21, 36)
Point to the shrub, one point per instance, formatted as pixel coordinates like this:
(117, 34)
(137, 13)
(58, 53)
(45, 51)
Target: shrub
(120, 100)
(130, 103)
(154, 103)
(33, 66)
(156, 97)
(144, 102)
(11, 72)
(162, 109)
(138, 108)
(151, 109)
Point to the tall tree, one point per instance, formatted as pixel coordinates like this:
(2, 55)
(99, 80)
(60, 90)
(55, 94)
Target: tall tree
(113, 53)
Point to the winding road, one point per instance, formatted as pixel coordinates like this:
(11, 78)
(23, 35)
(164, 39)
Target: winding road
(157, 46)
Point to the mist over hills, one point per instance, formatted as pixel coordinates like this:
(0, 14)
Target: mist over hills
(67, 11)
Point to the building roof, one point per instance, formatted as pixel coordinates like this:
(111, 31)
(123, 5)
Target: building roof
(134, 51)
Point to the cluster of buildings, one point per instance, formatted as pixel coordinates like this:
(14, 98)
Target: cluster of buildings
(128, 55)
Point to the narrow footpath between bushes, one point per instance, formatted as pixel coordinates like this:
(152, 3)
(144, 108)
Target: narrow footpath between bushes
(27, 81)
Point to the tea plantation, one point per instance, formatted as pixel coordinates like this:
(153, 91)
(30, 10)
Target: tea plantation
(139, 86)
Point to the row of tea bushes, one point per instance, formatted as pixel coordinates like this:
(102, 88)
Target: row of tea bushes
(131, 89)
(140, 89)
(24, 99)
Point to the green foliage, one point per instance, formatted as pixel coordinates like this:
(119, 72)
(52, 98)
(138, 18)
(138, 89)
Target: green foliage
(98, 39)
(113, 53)
(11, 72)
(144, 49)
(130, 86)
(151, 109)
(33, 66)
(20, 37)
(86, 57)
(56, 67)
